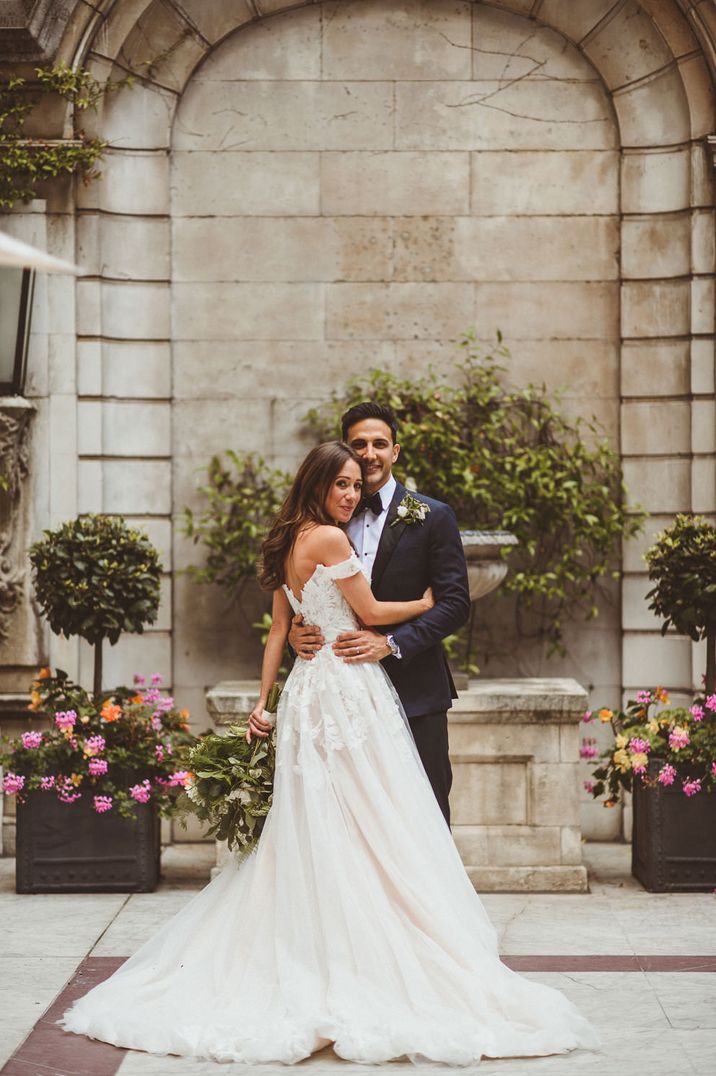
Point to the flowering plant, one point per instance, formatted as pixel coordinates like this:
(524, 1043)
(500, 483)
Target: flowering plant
(116, 749)
(231, 782)
(411, 510)
(671, 746)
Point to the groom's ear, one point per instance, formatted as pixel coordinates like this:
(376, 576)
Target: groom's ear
(396, 452)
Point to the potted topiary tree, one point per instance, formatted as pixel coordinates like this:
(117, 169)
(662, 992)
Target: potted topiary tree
(90, 787)
(666, 756)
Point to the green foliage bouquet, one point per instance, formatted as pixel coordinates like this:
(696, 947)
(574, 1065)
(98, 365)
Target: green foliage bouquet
(119, 749)
(231, 783)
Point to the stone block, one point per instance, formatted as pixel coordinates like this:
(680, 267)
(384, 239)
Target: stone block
(89, 489)
(147, 653)
(395, 184)
(136, 429)
(703, 485)
(703, 254)
(135, 311)
(470, 738)
(140, 119)
(282, 249)
(493, 116)
(232, 116)
(215, 426)
(659, 485)
(133, 181)
(655, 368)
(543, 182)
(575, 19)
(227, 369)
(701, 184)
(552, 879)
(536, 248)
(655, 428)
(471, 843)
(262, 184)
(571, 844)
(506, 48)
(61, 363)
(588, 370)
(653, 113)
(89, 368)
(215, 18)
(131, 369)
(633, 551)
(424, 249)
(702, 366)
(699, 93)
(523, 700)
(703, 427)
(636, 615)
(553, 794)
(136, 486)
(522, 846)
(569, 740)
(555, 310)
(159, 532)
(288, 47)
(124, 247)
(672, 24)
(161, 48)
(599, 823)
(89, 428)
(490, 793)
(419, 40)
(164, 614)
(655, 180)
(649, 655)
(220, 311)
(703, 310)
(611, 46)
(656, 246)
(398, 311)
(655, 308)
(61, 303)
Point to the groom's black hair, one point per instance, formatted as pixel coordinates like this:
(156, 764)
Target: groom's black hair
(369, 409)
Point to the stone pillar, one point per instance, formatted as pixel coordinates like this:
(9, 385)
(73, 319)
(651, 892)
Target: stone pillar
(514, 746)
(514, 750)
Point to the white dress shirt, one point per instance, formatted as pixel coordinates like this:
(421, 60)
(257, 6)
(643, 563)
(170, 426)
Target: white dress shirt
(365, 529)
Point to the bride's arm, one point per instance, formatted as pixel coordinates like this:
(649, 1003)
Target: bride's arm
(273, 652)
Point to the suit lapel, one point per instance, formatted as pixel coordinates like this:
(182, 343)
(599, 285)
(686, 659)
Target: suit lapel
(389, 537)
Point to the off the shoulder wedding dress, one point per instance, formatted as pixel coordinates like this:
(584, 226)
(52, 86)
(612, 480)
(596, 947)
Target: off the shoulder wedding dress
(353, 923)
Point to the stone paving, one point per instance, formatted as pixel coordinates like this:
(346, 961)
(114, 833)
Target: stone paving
(652, 1017)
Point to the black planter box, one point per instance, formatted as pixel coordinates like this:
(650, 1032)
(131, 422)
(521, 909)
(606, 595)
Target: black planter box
(674, 839)
(69, 848)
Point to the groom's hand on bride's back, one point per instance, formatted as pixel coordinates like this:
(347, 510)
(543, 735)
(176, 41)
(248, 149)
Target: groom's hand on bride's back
(304, 639)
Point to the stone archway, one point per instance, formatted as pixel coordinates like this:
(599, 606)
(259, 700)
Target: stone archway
(651, 59)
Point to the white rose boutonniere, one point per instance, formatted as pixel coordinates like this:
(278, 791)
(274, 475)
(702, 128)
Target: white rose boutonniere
(411, 510)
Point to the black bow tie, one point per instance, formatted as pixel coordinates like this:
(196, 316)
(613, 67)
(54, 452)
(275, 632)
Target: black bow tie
(374, 503)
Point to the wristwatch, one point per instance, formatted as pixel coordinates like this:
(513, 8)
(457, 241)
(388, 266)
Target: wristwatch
(394, 648)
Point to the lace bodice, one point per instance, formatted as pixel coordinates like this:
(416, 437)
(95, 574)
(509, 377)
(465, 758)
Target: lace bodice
(322, 602)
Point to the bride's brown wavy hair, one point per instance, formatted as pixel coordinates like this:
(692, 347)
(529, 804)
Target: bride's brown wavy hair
(305, 503)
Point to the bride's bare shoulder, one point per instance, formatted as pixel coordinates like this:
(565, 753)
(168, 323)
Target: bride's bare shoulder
(329, 545)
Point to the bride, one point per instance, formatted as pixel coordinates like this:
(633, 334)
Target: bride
(354, 923)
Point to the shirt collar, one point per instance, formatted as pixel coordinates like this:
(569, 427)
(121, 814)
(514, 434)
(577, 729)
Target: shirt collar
(386, 492)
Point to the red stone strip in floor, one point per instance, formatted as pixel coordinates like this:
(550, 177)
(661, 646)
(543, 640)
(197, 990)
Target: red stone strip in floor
(50, 1050)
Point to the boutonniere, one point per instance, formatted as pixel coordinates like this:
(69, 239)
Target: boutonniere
(411, 510)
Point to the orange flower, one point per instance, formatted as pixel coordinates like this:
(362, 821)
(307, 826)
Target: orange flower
(662, 696)
(606, 715)
(110, 712)
(35, 701)
(45, 673)
(137, 698)
(184, 714)
(609, 803)
(76, 779)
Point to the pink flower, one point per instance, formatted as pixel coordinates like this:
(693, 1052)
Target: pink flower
(152, 695)
(31, 739)
(66, 791)
(98, 766)
(644, 697)
(678, 738)
(159, 752)
(102, 804)
(181, 777)
(13, 782)
(638, 746)
(46, 783)
(588, 749)
(142, 792)
(692, 787)
(139, 680)
(711, 702)
(165, 702)
(588, 786)
(713, 768)
(156, 679)
(696, 712)
(587, 716)
(66, 719)
(156, 722)
(667, 775)
(94, 745)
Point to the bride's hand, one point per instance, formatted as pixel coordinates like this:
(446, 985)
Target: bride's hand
(257, 725)
(428, 599)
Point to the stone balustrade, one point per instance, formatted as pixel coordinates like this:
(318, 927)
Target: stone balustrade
(515, 805)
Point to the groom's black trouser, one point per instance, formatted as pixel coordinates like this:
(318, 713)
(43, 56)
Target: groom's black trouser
(430, 732)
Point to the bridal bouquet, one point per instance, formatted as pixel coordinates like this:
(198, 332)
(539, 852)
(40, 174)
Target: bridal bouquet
(670, 746)
(231, 782)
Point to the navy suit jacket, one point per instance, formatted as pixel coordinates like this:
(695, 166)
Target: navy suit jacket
(411, 557)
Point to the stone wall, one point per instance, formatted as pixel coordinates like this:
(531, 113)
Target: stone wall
(292, 194)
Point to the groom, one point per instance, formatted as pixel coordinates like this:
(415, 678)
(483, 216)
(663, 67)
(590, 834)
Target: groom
(408, 542)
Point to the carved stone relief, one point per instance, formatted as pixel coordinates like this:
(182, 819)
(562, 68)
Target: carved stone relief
(15, 416)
